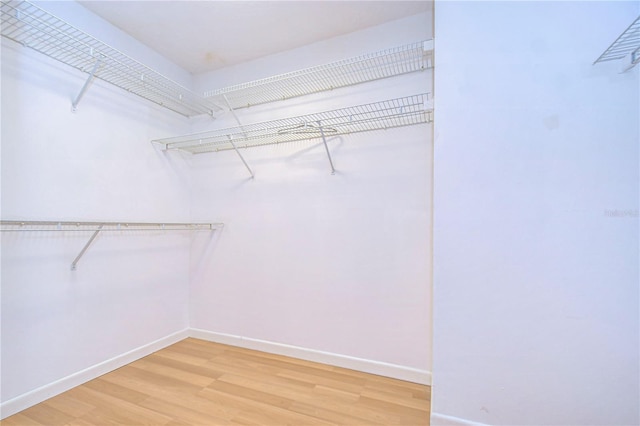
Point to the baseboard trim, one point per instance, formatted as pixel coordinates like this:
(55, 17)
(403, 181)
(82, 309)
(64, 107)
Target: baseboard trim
(368, 366)
(444, 420)
(45, 392)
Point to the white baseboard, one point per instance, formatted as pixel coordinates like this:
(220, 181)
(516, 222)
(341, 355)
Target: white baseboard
(368, 366)
(45, 392)
(443, 420)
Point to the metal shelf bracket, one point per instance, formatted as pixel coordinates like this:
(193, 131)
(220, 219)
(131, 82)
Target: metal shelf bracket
(241, 157)
(84, 249)
(634, 59)
(231, 140)
(326, 147)
(92, 74)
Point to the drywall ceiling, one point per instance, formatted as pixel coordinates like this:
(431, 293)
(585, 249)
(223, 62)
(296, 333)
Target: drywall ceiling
(203, 36)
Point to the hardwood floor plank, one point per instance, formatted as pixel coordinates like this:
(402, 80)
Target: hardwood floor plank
(409, 402)
(402, 414)
(270, 418)
(336, 394)
(195, 382)
(116, 391)
(202, 370)
(276, 357)
(182, 357)
(178, 397)
(47, 415)
(177, 423)
(309, 368)
(129, 379)
(80, 422)
(101, 417)
(173, 373)
(423, 393)
(20, 420)
(198, 348)
(335, 417)
(313, 400)
(184, 415)
(252, 394)
(252, 410)
(106, 416)
(321, 380)
(304, 395)
(159, 379)
(69, 405)
(243, 377)
(109, 407)
(229, 359)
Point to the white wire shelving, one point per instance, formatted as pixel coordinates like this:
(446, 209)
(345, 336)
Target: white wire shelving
(37, 29)
(373, 66)
(387, 114)
(98, 227)
(627, 44)
(399, 112)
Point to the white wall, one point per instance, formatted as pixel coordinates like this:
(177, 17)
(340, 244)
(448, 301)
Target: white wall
(130, 289)
(535, 281)
(340, 263)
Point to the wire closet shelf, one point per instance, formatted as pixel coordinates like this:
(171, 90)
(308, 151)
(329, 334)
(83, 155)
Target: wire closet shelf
(33, 27)
(373, 66)
(628, 43)
(39, 225)
(407, 111)
(98, 227)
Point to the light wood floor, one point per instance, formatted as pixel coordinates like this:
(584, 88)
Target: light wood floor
(195, 382)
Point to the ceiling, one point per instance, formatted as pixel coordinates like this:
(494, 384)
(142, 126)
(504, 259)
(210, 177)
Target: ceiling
(203, 36)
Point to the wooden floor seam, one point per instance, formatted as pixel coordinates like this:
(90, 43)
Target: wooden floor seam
(197, 382)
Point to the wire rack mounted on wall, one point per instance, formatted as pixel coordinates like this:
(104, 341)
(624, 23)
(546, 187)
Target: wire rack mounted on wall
(98, 227)
(387, 114)
(373, 66)
(40, 225)
(33, 27)
(627, 44)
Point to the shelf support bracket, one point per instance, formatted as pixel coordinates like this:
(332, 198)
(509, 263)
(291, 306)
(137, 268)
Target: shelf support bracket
(633, 58)
(241, 157)
(84, 249)
(326, 147)
(231, 141)
(75, 103)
